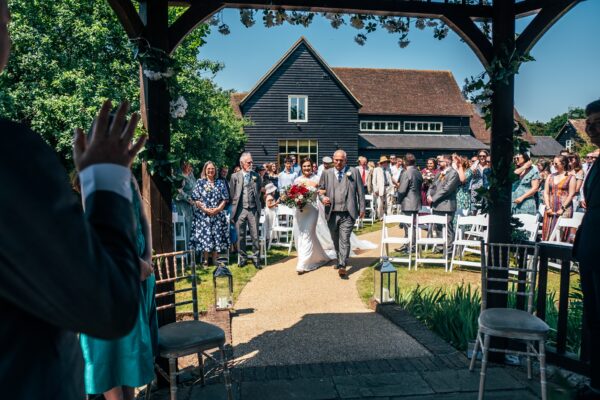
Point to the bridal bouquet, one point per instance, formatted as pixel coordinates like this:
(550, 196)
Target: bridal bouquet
(297, 196)
(428, 177)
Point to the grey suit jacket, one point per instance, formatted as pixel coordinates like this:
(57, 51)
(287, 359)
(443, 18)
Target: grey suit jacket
(443, 191)
(409, 190)
(236, 184)
(585, 247)
(355, 191)
(60, 272)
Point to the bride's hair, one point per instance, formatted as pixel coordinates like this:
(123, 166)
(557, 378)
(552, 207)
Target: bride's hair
(305, 160)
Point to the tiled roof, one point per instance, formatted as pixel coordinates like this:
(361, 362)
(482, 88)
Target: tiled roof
(485, 135)
(545, 146)
(415, 141)
(235, 100)
(404, 92)
(579, 125)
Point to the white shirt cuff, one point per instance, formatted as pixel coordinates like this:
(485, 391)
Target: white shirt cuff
(111, 177)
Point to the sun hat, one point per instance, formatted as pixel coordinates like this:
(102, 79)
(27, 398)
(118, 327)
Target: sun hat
(383, 159)
(270, 188)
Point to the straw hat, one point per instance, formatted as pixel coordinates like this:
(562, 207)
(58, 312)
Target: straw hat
(270, 188)
(383, 159)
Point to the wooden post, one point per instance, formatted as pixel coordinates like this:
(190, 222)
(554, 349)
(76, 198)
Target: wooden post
(502, 147)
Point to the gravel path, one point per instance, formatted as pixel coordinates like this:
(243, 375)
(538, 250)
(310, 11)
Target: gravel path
(316, 317)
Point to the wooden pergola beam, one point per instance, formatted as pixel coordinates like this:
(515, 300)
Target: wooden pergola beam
(466, 28)
(546, 17)
(192, 17)
(128, 17)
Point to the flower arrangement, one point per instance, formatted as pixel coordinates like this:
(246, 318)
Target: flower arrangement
(428, 177)
(298, 196)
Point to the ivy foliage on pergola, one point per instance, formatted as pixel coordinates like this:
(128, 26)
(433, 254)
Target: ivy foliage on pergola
(150, 23)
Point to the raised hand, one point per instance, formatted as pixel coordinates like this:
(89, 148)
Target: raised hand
(109, 144)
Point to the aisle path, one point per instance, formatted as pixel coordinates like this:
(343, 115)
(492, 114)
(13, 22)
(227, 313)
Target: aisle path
(313, 318)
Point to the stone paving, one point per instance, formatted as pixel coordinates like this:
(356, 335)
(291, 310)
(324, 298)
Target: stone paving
(426, 367)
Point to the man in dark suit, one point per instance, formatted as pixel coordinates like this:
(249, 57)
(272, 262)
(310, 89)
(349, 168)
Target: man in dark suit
(408, 194)
(245, 186)
(587, 252)
(442, 194)
(62, 272)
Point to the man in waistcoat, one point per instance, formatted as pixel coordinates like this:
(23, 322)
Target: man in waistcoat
(245, 186)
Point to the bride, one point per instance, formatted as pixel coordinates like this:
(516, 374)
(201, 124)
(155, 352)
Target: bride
(313, 239)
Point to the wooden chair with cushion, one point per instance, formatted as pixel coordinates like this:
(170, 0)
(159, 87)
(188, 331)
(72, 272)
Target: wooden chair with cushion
(515, 267)
(183, 338)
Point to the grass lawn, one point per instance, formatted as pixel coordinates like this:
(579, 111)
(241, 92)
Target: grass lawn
(433, 277)
(241, 276)
(368, 228)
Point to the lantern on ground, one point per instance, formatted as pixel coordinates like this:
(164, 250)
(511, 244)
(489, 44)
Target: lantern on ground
(223, 286)
(385, 281)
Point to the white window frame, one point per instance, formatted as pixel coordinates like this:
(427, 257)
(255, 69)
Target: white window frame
(297, 96)
(373, 122)
(299, 156)
(427, 125)
(569, 144)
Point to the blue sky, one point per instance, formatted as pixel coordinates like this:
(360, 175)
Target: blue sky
(566, 72)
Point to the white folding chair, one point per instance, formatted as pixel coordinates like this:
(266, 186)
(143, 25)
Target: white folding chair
(563, 223)
(466, 242)
(179, 228)
(283, 228)
(387, 239)
(370, 214)
(530, 225)
(262, 237)
(430, 222)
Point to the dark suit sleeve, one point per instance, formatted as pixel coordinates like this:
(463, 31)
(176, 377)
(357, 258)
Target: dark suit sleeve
(447, 187)
(76, 272)
(403, 188)
(322, 185)
(360, 190)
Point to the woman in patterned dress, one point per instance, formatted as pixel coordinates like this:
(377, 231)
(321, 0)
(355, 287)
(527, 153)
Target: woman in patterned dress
(463, 194)
(210, 231)
(525, 189)
(558, 197)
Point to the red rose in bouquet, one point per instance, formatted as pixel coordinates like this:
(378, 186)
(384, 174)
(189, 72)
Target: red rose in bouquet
(298, 195)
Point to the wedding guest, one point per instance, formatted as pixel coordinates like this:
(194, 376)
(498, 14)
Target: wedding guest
(327, 162)
(236, 169)
(576, 170)
(558, 195)
(245, 208)
(526, 187)
(363, 170)
(382, 186)
(262, 172)
(393, 165)
(210, 231)
(442, 195)
(223, 172)
(270, 210)
(287, 176)
(480, 179)
(116, 367)
(272, 177)
(295, 166)
(543, 167)
(183, 199)
(587, 252)
(429, 173)
(463, 193)
(590, 158)
(369, 187)
(79, 262)
(409, 191)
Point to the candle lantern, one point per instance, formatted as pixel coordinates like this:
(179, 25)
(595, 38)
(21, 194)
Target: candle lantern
(223, 286)
(385, 281)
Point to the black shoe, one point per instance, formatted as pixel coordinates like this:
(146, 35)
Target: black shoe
(258, 266)
(336, 266)
(402, 249)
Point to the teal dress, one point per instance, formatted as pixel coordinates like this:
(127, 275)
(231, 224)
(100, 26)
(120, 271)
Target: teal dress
(522, 186)
(128, 361)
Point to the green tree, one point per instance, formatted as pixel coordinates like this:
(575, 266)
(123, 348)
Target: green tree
(69, 55)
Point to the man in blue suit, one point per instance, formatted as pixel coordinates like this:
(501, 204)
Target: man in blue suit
(61, 271)
(587, 252)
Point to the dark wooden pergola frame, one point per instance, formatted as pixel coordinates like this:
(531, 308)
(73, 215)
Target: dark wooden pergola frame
(151, 23)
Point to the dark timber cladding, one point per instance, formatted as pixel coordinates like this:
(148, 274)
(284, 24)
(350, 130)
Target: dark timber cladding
(332, 112)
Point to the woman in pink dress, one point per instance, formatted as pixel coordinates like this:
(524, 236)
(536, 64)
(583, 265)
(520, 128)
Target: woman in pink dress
(558, 198)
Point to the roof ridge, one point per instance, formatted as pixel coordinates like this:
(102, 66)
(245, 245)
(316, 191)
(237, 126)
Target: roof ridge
(397, 69)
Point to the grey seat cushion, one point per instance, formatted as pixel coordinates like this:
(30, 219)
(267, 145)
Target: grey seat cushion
(508, 319)
(192, 336)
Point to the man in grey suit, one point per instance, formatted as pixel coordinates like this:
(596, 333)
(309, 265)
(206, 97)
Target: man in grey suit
(587, 252)
(409, 190)
(442, 194)
(342, 193)
(245, 188)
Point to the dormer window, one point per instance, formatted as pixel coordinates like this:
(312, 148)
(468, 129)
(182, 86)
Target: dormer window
(297, 108)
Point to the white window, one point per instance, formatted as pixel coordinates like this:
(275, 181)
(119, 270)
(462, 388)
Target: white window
(380, 126)
(297, 108)
(569, 145)
(300, 148)
(413, 126)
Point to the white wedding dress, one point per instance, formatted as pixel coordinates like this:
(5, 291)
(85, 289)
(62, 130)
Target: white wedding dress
(312, 237)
